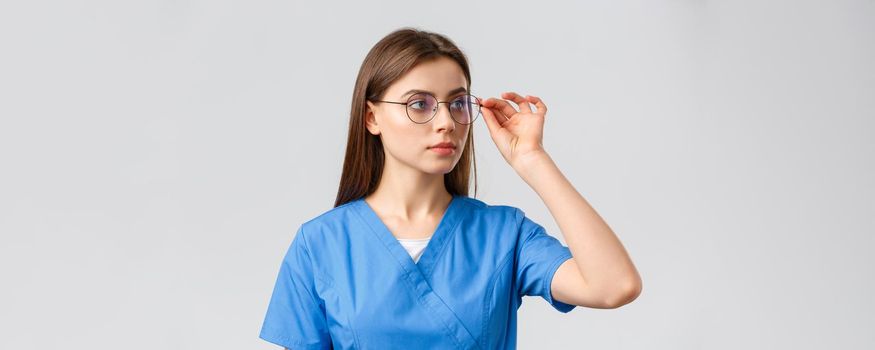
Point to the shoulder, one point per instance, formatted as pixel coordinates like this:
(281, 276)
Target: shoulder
(334, 220)
(504, 216)
(483, 207)
(493, 212)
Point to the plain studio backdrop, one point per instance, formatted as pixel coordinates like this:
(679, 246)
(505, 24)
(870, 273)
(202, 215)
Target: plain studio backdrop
(156, 158)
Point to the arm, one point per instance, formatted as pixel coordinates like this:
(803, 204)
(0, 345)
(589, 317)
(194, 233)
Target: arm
(600, 274)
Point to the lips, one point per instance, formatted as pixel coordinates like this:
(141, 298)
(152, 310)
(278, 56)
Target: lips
(444, 145)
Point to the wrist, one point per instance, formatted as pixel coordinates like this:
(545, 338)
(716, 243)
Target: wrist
(526, 163)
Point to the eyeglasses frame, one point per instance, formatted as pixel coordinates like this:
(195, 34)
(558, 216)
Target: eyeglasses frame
(406, 109)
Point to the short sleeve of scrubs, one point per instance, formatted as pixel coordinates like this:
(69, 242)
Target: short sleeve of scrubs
(538, 257)
(295, 316)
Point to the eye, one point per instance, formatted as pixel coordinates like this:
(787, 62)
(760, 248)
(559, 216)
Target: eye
(414, 104)
(458, 103)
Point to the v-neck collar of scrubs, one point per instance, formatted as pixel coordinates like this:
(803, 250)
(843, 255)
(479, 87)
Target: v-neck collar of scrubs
(438, 239)
(417, 273)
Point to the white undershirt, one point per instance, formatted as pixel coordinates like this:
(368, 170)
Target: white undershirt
(414, 246)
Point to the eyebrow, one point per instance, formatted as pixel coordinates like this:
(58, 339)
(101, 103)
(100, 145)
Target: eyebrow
(416, 91)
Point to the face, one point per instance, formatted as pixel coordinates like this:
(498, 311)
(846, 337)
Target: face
(409, 144)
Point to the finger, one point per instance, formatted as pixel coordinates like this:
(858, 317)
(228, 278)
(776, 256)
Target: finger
(492, 121)
(501, 105)
(519, 100)
(542, 108)
(500, 116)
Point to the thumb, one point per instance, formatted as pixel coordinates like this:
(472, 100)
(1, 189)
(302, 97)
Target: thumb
(491, 122)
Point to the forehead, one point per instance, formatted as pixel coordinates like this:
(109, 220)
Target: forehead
(440, 76)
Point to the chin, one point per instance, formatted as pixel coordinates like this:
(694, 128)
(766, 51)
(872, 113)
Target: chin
(441, 169)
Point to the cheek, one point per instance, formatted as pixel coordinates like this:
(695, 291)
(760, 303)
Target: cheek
(391, 129)
(462, 135)
(407, 143)
(403, 140)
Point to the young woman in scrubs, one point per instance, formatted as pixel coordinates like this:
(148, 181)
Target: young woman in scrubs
(406, 259)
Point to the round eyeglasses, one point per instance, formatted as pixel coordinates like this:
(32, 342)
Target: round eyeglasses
(422, 107)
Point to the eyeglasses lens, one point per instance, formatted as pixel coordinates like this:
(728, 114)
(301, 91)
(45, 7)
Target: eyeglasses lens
(422, 107)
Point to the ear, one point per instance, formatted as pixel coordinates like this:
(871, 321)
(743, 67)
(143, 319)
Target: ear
(371, 119)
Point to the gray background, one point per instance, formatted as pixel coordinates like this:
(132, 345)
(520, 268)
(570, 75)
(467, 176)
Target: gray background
(157, 157)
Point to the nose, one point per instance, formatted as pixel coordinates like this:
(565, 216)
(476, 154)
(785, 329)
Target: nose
(443, 119)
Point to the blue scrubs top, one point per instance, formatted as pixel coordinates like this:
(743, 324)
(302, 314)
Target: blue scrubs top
(347, 283)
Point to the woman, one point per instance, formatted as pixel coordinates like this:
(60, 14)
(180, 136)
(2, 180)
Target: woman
(406, 259)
